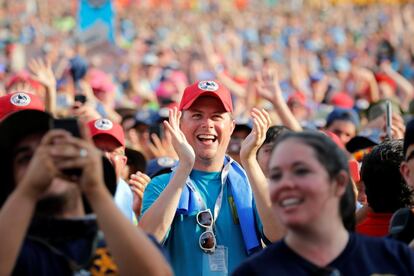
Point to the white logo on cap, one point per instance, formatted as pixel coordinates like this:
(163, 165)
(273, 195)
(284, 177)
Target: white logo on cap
(20, 99)
(103, 124)
(208, 85)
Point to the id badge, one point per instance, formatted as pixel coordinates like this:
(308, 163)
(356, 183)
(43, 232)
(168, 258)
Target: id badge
(217, 263)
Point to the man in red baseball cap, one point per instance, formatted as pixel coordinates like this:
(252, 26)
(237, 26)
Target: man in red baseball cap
(203, 210)
(109, 137)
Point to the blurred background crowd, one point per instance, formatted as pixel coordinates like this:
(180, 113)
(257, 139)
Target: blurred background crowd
(130, 60)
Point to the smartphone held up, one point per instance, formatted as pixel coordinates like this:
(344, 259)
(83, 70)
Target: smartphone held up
(388, 119)
(71, 125)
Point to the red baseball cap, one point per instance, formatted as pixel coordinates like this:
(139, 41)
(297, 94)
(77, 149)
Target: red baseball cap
(206, 88)
(107, 127)
(334, 138)
(384, 78)
(343, 100)
(16, 101)
(297, 97)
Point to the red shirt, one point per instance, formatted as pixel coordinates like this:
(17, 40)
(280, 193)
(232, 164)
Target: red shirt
(375, 224)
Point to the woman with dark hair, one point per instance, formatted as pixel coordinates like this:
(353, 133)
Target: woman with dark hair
(311, 194)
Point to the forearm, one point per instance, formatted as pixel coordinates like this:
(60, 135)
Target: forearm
(50, 100)
(236, 88)
(15, 217)
(373, 90)
(407, 88)
(158, 218)
(271, 226)
(286, 116)
(133, 252)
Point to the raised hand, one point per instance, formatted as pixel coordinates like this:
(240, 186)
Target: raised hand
(252, 143)
(268, 85)
(161, 147)
(138, 182)
(42, 72)
(85, 112)
(185, 152)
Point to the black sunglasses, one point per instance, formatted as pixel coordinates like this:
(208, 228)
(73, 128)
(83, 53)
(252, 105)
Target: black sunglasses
(207, 240)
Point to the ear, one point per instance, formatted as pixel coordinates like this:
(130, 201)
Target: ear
(233, 126)
(123, 159)
(341, 181)
(405, 171)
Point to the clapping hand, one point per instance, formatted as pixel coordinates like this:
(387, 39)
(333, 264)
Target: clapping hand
(185, 152)
(138, 182)
(252, 143)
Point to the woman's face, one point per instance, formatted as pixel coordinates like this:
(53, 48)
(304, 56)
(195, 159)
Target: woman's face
(301, 190)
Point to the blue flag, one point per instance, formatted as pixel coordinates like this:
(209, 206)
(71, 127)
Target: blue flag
(99, 15)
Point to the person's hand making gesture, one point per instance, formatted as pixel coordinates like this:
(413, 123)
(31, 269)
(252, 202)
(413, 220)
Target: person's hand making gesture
(162, 146)
(252, 143)
(42, 72)
(138, 182)
(185, 152)
(268, 87)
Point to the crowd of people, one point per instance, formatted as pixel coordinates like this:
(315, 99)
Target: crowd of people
(207, 138)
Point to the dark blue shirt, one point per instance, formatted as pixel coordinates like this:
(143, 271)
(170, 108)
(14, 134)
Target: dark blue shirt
(362, 256)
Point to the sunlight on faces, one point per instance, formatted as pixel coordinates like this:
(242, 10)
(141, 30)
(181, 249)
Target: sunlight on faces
(208, 128)
(301, 190)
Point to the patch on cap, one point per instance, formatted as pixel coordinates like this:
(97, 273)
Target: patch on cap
(208, 86)
(165, 161)
(103, 124)
(20, 99)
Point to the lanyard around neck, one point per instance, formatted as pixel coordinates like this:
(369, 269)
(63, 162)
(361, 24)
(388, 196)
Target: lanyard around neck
(219, 201)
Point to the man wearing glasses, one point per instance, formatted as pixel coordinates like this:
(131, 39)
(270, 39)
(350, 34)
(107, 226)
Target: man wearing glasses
(203, 212)
(109, 138)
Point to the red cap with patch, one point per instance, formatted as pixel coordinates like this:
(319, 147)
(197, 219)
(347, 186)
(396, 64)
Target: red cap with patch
(107, 127)
(16, 101)
(206, 88)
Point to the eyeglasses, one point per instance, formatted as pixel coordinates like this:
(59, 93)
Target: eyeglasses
(207, 240)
